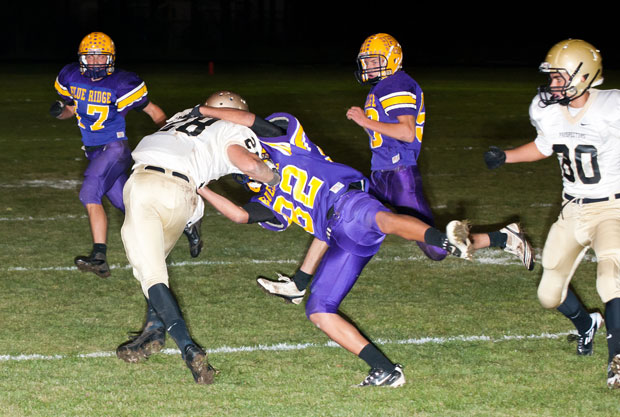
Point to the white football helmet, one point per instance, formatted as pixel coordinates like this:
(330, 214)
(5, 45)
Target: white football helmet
(581, 66)
(227, 99)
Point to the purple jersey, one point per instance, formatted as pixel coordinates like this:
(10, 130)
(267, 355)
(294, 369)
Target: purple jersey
(101, 105)
(310, 184)
(394, 96)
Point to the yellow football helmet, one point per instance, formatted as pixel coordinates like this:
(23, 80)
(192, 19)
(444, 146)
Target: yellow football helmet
(227, 99)
(97, 43)
(380, 56)
(579, 63)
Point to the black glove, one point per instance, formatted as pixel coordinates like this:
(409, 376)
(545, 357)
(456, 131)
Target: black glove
(494, 157)
(196, 111)
(56, 108)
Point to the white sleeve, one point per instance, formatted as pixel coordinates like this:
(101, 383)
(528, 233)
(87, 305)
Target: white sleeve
(544, 146)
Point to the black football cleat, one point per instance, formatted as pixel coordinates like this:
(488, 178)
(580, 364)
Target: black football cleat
(96, 263)
(141, 346)
(196, 360)
(193, 237)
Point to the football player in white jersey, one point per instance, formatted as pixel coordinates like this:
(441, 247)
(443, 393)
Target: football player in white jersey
(581, 125)
(160, 198)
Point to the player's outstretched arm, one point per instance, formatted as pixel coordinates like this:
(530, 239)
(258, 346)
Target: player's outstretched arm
(496, 157)
(229, 209)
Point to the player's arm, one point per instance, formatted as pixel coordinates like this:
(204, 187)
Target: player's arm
(156, 113)
(404, 130)
(258, 125)
(251, 212)
(62, 110)
(252, 166)
(496, 157)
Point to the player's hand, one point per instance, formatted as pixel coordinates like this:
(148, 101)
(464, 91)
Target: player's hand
(196, 111)
(357, 115)
(57, 108)
(494, 157)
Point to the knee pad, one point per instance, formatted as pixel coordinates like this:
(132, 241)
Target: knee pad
(608, 275)
(552, 289)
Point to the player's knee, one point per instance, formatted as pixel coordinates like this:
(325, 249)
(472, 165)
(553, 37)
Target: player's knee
(315, 306)
(608, 276)
(89, 195)
(550, 290)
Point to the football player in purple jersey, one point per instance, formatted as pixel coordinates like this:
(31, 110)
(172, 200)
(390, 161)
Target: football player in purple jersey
(330, 201)
(394, 116)
(99, 96)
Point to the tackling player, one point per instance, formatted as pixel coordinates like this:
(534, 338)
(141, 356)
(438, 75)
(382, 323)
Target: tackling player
(331, 202)
(580, 125)
(160, 199)
(99, 96)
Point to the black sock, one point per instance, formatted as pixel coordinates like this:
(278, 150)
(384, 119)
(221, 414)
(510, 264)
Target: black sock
(498, 239)
(301, 279)
(576, 312)
(152, 321)
(435, 237)
(168, 311)
(99, 248)
(612, 323)
(375, 359)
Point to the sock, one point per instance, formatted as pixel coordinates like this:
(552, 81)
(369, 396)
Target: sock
(301, 279)
(99, 248)
(375, 359)
(152, 319)
(612, 323)
(435, 237)
(576, 312)
(498, 239)
(168, 311)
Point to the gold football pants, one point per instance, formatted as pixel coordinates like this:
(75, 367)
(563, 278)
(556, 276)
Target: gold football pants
(578, 228)
(157, 208)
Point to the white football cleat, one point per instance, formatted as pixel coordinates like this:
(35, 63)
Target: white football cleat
(458, 237)
(379, 377)
(517, 244)
(284, 287)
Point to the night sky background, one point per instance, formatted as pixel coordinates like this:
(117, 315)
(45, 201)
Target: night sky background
(302, 32)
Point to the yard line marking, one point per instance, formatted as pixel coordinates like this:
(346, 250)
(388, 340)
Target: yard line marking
(502, 259)
(280, 347)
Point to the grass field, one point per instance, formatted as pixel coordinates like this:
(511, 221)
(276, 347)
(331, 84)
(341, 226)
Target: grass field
(472, 337)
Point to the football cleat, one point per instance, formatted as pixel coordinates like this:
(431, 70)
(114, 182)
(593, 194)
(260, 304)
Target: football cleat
(459, 243)
(585, 341)
(284, 287)
(517, 244)
(96, 263)
(141, 346)
(196, 360)
(193, 237)
(379, 377)
(613, 373)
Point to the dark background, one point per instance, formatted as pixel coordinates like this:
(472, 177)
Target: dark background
(302, 32)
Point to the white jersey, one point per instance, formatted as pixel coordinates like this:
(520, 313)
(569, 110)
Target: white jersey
(195, 146)
(586, 142)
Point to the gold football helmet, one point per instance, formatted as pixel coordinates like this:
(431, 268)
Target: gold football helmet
(97, 43)
(227, 99)
(579, 63)
(380, 56)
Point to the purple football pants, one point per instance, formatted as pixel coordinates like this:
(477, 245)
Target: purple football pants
(402, 189)
(106, 174)
(354, 238)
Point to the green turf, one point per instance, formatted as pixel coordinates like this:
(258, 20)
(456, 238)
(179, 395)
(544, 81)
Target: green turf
(420, 312)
